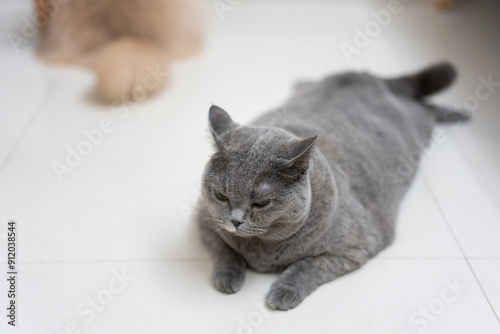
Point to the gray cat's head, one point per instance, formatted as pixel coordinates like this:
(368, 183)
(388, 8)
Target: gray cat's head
(257, 183)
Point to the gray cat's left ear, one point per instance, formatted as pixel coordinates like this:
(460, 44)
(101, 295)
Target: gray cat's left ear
(299, 153)
(220, 122)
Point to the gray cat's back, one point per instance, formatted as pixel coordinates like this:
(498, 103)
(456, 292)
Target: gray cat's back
(365, 130)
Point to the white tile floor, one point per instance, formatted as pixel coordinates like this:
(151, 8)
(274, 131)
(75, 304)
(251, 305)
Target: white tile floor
(126, 206)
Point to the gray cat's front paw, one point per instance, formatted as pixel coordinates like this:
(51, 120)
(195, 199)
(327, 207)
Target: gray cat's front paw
(229, 279)
(284, 297)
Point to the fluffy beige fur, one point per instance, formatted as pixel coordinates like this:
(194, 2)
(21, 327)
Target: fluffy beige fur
(122, 41)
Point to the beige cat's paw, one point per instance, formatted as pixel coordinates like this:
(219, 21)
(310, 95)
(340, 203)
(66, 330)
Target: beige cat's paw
(284, 297)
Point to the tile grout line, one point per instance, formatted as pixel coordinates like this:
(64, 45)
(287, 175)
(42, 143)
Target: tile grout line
(106, 261)
(454, 236)
(418, 258)
(29, 123)
(423, 258)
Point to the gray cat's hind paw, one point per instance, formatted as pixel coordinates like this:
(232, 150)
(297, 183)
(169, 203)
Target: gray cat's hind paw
(229, 279)
(284, 297)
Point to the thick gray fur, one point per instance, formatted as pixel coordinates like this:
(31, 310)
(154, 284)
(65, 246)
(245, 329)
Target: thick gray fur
(334, 199)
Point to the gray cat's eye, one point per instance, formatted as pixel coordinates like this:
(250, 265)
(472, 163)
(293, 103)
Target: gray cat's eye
(221, 196)
(262, 204)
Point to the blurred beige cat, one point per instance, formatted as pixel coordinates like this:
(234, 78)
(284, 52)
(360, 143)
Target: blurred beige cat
(128, 43)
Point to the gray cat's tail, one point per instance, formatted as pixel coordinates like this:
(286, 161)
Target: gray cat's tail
(427, 82)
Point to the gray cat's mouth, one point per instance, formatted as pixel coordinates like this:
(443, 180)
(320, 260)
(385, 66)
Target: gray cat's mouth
(250, 232)
(243, 230)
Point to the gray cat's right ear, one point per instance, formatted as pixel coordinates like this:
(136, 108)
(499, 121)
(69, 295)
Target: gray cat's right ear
(299, 153)
(220, 123)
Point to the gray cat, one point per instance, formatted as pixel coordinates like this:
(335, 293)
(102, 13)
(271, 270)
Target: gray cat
(320, 207)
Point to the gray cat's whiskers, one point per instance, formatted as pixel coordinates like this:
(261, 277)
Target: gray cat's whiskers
(214, 232)
(252, 230)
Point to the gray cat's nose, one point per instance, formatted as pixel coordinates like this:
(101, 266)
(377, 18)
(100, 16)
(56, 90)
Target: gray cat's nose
(237, 217)
(236, 223)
